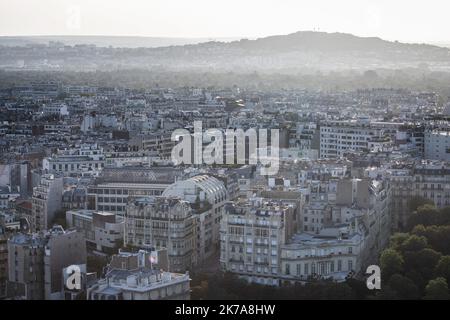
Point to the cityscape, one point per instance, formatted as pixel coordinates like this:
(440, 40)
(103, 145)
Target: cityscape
(298, 166)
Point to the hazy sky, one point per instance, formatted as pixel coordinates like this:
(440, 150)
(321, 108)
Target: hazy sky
(405, 20)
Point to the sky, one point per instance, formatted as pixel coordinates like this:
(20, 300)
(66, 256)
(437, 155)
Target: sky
(403, 20)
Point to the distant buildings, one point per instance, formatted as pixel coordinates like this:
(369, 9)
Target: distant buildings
(74, 162)
(350, 162)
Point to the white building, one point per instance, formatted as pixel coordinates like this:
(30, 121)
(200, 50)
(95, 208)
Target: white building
(340, 137)
(46, 201)
(103, 231)
(437, 145)
(55, 109)
(332, 254)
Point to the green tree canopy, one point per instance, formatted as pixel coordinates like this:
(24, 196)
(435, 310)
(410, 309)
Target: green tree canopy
(437, 289)
(391, 262)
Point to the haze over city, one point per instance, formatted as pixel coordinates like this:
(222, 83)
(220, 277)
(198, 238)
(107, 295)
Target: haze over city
(410, 21)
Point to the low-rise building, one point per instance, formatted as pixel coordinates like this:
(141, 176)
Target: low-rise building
(136, 279)
(103, 231)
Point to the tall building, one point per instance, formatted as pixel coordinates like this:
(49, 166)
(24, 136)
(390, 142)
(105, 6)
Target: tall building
(437, 145)
(36, 262)
(207, 196)
(17, 176)
(160, 222)
(103, 231)
(62, 249)
(26, 267)
(252, 233)
(46, 201)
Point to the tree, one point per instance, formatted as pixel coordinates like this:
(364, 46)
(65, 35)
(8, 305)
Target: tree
(443, 268)
(391, 262)
(397, 239)
(419, 201)
(413, 243)
(438, 237)
(404, 287)
(423, 261)
(437, 289)
(427, 215)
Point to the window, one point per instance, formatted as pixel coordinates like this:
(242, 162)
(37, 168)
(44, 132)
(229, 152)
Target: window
(299, 269)
(288, 269)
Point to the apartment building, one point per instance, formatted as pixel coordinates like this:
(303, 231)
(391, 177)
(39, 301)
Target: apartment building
(88, 158)
(103, 231)
(36, 262)
(46, 201)
(251, 235)
(437, 145)
(116, 186)
(26, 266)
(340, 137)
(163, 222)
(333, 254)
(425, 179)
(207, 196)
(3, 261)
(62, 249)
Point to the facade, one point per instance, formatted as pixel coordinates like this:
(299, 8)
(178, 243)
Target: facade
(252, 233)
(437, 145)
(26, 267)
(114, 196)
(17, 176)
(3, 262)
(333, 254)
(46, 201)
(36, 262)
(428, 179)
(340, 137)
(86, 158)
(160, 222)
(103, 231)
(207, 196)
(62, 249)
